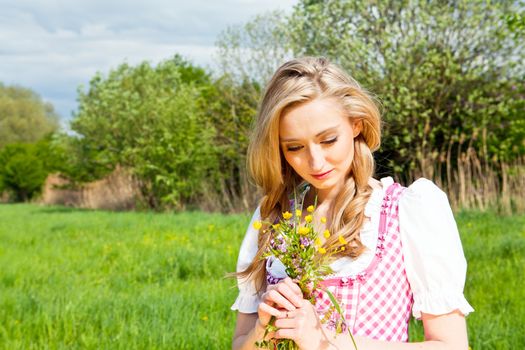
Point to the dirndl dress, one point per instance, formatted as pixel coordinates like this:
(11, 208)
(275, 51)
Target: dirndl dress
(376, 302)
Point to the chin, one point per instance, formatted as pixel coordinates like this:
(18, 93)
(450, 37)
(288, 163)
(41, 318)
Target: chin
(322, 184)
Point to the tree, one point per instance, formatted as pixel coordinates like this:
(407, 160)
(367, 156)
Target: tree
(24, 117)
(253, 51)
(151, 120)
(24, 168)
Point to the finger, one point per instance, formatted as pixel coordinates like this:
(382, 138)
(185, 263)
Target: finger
(279, 299)
(285, 323)
(286, 333)
(286, 314)
(270, 287)
(293, 286)
(265, 308)
(286, 290)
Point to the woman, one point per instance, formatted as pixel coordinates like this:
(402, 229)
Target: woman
(317, 126)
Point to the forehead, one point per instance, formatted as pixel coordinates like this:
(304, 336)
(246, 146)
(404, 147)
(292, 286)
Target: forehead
(310, 118)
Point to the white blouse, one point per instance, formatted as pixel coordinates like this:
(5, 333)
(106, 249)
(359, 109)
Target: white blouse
(432, 251)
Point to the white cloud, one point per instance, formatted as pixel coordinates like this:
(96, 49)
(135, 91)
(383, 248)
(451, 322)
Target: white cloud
(54, 46)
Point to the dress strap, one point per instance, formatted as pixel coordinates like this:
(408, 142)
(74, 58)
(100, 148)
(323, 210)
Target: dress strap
(385, 206)
(389, 205)
(390, 199)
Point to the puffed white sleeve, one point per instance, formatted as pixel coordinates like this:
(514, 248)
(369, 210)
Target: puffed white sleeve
(434, 260)
(247, 301)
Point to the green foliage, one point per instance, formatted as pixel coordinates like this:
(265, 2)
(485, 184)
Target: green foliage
(24, 117)
(81, 279)
(24, 168)
(152, 121)
(231, 108)
(516, 23)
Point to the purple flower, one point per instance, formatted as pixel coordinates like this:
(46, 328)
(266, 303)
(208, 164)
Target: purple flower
(272, 280)
(335, 321)
(305, 241)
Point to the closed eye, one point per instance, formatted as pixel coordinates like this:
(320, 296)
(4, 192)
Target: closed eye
(330, 141)
(293, 148)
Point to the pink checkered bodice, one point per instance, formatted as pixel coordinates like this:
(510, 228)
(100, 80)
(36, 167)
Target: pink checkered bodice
(377, 302)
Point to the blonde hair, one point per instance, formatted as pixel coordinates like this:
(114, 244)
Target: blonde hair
(295, 82)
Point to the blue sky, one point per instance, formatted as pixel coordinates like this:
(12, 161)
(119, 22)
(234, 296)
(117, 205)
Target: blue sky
(53, 46)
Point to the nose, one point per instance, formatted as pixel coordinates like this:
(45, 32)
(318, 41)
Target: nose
(316, 161)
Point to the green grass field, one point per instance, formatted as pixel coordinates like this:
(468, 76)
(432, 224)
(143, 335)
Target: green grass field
(78, 279)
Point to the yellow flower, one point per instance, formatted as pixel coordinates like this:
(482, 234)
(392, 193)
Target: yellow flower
(326, 233)
(323, 220)
(342, 240)
(322, 250)
(318, 241)
(308, 218)
(343, 248)
(276, 226)
(257, 225)
(298, 212)
(302, 246)
(303, 230)
(287, 215)
(310, 209)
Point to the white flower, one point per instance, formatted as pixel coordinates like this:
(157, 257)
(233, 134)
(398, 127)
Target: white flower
(275, 267)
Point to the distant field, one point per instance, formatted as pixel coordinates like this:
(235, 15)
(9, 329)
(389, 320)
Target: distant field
(77, 279)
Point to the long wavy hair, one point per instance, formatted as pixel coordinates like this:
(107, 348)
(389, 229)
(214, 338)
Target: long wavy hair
(295, 82)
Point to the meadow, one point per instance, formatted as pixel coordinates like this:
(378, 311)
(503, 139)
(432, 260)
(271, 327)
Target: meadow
(82, 279)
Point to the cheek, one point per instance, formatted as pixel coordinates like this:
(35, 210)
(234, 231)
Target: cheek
(295, 161)
(342, 152)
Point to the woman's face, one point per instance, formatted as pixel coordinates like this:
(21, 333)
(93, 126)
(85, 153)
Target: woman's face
(317, 140)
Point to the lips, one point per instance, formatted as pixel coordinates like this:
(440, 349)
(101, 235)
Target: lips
(322, 175)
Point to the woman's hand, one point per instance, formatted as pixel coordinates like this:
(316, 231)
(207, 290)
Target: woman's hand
(303, 327)
(278, 299)
(296, 317)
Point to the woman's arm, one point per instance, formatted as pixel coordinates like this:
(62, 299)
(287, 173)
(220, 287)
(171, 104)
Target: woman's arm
(248, 330)
(443, 332)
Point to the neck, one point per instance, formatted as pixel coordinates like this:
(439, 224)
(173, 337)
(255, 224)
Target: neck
(327, 196)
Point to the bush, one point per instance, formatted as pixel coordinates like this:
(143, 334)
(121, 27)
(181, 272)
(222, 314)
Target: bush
(22, 171)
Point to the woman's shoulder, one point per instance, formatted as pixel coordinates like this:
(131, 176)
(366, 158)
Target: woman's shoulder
(420, 188)
(423, 186)
(426, 220)
(424, 194)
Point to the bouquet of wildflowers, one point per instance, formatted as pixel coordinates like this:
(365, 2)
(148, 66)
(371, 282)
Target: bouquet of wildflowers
(298, 246)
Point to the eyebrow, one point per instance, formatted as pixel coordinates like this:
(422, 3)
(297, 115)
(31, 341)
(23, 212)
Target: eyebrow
(317, 135)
